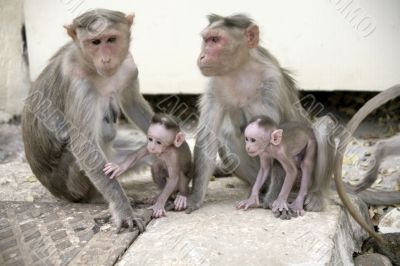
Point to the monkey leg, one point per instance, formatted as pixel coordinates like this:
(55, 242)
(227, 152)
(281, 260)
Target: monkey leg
(277, 177)
(68, 182)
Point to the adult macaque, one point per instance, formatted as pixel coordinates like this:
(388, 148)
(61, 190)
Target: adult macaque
(294, 146)
(246, 80)
(351, 126)
(172, 169)
(68, 119)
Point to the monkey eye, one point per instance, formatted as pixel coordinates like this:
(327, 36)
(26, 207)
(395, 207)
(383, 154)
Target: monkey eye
(246, 139)
(158, 142)
(96, 41)
(111, 39)
(253, 140)
(215, 39)
(150, 139)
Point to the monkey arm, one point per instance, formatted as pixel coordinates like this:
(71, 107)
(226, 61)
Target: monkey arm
(85, 143)
(170, 186)
(261, 177)
(133, 158)
(291, 174)
(254, 199)
(135, 107)
(206, 148)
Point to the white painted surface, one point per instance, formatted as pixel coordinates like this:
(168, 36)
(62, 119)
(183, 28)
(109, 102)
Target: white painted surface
(14, 80)
(324, 42)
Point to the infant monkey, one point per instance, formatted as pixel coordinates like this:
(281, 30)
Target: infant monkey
(294, 146)
(172, 168)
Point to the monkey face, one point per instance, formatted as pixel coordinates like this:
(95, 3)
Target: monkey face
(159, 139)
(105, 50)
(256, 140)
(221, 53)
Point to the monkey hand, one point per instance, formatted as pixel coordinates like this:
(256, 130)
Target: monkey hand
(113, 170)
(281, 209)
(158, 210)
(124, 216)
(253, 200)
(297, 207)
(180, 203)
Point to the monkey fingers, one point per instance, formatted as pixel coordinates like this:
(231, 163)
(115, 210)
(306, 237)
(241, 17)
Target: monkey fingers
(129, 222)
(251, 201)
(158, 211)
(180, 203)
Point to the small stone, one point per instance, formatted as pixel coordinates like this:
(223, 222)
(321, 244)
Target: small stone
(372, 259)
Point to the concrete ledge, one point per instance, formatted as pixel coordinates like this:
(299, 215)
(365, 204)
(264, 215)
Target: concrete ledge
(218, 234)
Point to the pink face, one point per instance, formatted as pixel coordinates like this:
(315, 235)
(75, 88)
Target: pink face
(256, 139)
(106, 50)
(159, 138)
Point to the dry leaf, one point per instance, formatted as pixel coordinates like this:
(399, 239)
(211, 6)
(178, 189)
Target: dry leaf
(31, 179)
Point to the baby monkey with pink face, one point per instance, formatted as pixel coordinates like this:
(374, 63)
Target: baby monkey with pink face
(293, 145)
(172, 168)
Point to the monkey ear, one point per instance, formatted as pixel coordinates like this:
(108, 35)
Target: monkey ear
(276, 137)
(252, 36)
(130, 19)
(179, 139)
(71, 31)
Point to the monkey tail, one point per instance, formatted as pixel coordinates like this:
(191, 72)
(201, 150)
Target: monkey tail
(352, 125)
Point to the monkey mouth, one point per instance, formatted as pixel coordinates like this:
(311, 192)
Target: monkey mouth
(252, 154)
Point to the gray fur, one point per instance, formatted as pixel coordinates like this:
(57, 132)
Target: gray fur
(68, 126)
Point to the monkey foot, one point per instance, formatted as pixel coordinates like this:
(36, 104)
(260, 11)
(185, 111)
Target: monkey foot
(192, 205)
(280, 209)
(297, 208)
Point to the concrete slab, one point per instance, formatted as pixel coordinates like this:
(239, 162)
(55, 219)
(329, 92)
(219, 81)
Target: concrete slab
(218, 234)
(60, 234)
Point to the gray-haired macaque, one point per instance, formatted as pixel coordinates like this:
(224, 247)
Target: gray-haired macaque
(294, 146)
(69, 117)
(246, 81)
(172, 169)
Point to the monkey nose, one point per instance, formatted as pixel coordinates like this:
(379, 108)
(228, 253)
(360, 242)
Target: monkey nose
(106, 60)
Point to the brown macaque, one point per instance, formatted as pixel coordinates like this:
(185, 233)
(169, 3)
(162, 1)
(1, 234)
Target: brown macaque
(172, 169)
(294, 146)
(68, 121)
(246, 81)
(351, 126)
